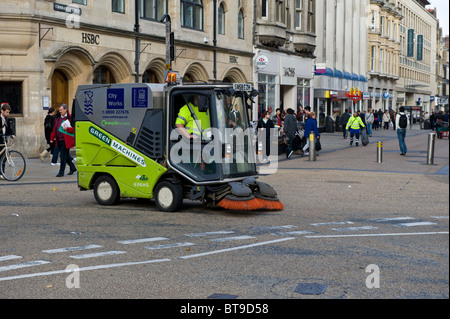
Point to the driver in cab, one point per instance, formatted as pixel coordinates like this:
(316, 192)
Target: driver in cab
(190, 121)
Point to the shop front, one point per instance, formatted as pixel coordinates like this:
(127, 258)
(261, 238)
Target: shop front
(284, 81)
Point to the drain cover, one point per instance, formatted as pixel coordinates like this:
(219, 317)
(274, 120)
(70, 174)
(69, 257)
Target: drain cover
(311, 289)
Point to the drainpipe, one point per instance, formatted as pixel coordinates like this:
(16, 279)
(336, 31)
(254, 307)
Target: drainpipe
(215, 41)
(138, 40)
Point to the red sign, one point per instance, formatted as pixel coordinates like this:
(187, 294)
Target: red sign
(354, 94)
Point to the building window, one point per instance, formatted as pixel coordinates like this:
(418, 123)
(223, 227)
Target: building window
(152, 9)
(192, 14)
(11, 93)
(298, 14)
(264, 9)
(241, 24)
(118, 6)
(311, 20)
(372, 61)
(381, 61)
(80, 1)
(103, 75)
(221, 19)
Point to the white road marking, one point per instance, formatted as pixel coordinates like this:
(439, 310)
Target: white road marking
(23, 265)
(355, 228)
(393, 219)
(375, 235)
(142, 240)
(77, 248)
(211, 233)
(56, 272)
(294, 233)
(274, 227)
(440, 217)
(415, 224)
(170, 246)
(219, 240)
(101, 254)
(236, 248)
(9, 257)
(333, 223)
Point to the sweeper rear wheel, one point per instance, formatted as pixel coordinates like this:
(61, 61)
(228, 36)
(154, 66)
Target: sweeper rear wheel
(168, 196)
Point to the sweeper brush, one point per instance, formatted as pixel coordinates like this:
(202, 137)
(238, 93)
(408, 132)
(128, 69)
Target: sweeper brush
(251, 195)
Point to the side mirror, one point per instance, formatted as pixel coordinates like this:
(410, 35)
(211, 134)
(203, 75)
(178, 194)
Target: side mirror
(203, 103)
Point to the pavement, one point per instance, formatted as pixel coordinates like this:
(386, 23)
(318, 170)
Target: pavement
(336, 154)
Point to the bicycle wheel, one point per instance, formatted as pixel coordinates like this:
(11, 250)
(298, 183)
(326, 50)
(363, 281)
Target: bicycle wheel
(13, 166)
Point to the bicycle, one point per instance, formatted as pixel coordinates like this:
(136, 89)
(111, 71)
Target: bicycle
(12, 163)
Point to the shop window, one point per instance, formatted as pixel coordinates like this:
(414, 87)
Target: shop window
(152, 9)
(192, 14)
(303, 93)
(11, 93)
(103, 75)
(267, 93)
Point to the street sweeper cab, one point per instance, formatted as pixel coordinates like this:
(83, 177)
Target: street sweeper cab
(169, 142)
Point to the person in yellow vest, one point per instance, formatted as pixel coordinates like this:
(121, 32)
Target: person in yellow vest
(190, 118)
(354, 124)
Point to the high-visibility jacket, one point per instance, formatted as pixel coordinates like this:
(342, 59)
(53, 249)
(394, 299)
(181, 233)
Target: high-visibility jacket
(354, 123)
(185, 118)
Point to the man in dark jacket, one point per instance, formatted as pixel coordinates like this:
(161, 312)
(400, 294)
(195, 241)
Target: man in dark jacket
(343, 119)
(290, 127)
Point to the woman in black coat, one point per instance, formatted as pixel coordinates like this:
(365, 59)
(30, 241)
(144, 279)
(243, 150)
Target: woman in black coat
(266, 124)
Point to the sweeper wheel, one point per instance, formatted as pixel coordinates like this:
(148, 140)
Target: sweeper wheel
(168, 196)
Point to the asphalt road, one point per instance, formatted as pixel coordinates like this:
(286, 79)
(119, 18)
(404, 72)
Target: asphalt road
(351, 228)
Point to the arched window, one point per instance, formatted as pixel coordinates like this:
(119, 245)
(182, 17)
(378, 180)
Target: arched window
(221, 19)
(192, 14)
(241, 24)
(103, 75)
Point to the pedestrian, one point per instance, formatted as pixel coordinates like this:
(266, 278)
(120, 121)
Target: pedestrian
(49, 123)
(354, 124)
(310, 126)
(402, 120)
(265, 124)
(290, 127)
(6, 128)
(386, 120)
(369, 121)
(63, 136)
(277, 120)
(343, 119)
(392, 116)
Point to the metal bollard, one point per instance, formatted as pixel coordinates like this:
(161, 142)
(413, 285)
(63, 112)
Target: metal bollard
(430, 149)
(312, 146)
(379, 152)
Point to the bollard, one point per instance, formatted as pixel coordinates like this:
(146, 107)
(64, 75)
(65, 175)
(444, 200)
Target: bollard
(379, 152)
(430, 149)
(312, 146)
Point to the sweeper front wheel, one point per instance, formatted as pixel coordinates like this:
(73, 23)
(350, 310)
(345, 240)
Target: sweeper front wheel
(168, 196)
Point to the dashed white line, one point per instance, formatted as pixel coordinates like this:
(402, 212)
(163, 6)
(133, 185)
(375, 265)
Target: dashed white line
(415, 224)
(142, 240)
(77, 248)
(333, 223)
(355, 228)
(9, 257)
(211, 233)
(376, 235)
(392, 219)
(101, 254)
(219, 240)
(175, 245)
(23, 265)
